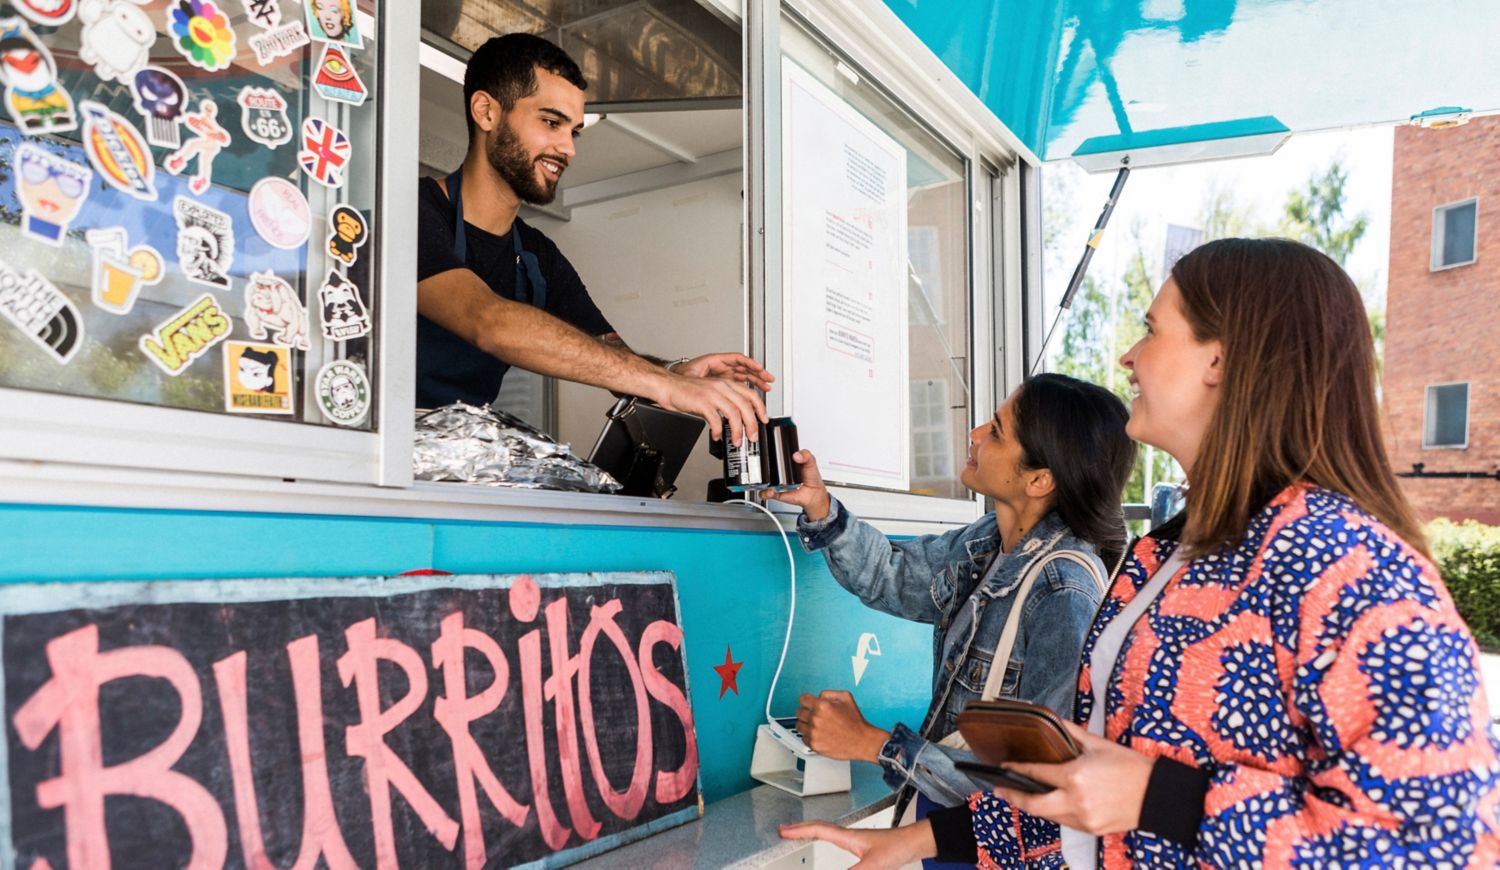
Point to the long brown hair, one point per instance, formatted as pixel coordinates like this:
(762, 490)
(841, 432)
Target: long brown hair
(1297, 401)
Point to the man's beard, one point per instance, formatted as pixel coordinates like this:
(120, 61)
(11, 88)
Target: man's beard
(509, 157)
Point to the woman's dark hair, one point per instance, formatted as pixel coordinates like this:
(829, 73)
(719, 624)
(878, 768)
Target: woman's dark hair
(1297, 403)
(1077, 431)
(505, 68)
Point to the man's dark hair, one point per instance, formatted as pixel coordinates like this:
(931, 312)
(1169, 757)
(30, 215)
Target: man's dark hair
(505, 68)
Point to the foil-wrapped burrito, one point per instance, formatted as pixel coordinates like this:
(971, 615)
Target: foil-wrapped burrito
(461, 442)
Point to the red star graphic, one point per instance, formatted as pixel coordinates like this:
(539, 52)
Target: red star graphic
(727, 673)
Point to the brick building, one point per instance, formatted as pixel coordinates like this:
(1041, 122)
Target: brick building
(1442, 346)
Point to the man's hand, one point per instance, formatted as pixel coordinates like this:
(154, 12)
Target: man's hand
(1099, 792)
(713, 399)
(734, 366)
(876, 848)
(812, 495)
(831, 724)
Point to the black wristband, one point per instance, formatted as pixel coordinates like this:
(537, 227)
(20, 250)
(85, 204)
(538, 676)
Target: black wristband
(953, 831)
(1173, 807)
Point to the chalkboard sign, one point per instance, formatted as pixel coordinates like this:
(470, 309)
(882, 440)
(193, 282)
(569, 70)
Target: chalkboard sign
(406, 722)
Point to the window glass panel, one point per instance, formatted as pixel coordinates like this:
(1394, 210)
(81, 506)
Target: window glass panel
(1448, 415)
(187, 244)
(937, 267)
(1458, 234)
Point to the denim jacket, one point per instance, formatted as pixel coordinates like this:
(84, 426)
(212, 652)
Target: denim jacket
(932, 579)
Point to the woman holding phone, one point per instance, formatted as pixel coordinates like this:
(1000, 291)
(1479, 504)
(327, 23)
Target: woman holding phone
(1278, 675)
(1054, 458)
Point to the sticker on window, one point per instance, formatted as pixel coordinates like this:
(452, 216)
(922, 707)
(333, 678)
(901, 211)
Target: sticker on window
(336, 78)
(325, 152)
(118, 274)
(48, 13)
(257, 378)
(201, 32)
(115, 39)
(187, 335)
(265, 14)
(40, 310)
(279, 42)
(333, 21)
(344, 312)
(33, 97)
(51, 191)
(160, 97)
(209, 138)
(263, 116)
(118, 152)
(279, 212)
(343, 392)
(205, 242)
(271, 305)
(347, 232)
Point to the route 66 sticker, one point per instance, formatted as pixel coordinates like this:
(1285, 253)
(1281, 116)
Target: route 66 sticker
(263, 116)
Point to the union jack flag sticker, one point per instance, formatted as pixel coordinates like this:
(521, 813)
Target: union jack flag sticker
(325, 152)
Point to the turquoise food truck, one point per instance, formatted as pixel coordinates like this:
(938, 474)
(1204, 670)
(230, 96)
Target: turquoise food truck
(845, 190)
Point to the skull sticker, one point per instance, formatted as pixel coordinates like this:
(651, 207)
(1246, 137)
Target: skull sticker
(160, 97)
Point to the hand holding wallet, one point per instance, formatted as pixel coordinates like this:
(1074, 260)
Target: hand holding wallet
(1004, 731)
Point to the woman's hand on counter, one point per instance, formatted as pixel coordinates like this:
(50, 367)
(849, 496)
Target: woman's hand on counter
(812, 495)
(831, 724)
(876, 848)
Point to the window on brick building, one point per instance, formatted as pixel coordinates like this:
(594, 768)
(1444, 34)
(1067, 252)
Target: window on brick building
(1453, 233)
(1446, 421)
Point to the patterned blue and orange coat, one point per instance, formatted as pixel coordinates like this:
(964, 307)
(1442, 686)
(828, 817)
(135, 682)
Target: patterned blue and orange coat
(1320, 691)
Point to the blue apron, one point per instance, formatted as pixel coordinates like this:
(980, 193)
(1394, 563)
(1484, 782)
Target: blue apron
(531, 285)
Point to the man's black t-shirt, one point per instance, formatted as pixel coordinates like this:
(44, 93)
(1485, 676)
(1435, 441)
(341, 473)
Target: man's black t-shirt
(450, 369)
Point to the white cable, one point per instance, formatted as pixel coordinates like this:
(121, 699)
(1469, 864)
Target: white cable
(792, 614)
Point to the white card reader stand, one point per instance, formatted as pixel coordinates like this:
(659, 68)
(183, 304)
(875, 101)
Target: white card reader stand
(783, 760)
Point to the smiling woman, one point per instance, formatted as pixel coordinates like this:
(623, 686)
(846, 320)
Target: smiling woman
(1277, 676)
(1054, 459)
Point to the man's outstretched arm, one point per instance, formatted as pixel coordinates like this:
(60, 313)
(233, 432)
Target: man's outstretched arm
(735, 366)
(525, 336)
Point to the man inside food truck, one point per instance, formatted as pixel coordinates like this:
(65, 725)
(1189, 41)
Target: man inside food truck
(501, 293)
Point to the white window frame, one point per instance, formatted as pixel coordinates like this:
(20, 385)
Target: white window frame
(50, 427)
(1429, 423)
(1439, 234)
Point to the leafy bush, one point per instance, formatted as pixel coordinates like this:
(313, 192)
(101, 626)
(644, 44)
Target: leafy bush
(1468, 554)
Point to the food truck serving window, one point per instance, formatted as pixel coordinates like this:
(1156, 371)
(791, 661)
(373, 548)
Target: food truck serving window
(188, 210)
(185, 222)
(876, 279)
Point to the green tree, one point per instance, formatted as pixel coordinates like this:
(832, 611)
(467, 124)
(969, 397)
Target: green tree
(1107, 317)
(1315, 215)
(1222, 216)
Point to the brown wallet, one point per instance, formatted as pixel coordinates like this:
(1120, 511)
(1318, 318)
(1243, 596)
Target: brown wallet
(1004, 731)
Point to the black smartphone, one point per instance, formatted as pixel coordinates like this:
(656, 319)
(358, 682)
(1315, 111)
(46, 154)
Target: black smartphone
(1002, 776)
